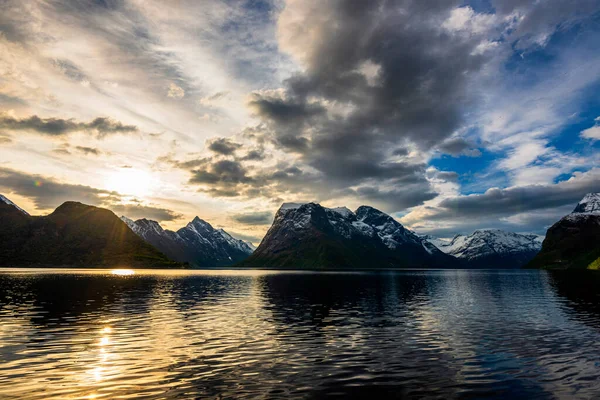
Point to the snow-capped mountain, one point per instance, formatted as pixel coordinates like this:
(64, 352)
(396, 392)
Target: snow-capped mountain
(589, 205)
(491, 248)
(5, 200)
(197, 243)
(574, 241)
(311, 236)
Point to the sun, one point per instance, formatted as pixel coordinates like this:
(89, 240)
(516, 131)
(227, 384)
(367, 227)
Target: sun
(130, 181)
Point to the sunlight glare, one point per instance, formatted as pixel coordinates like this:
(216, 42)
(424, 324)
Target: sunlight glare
(123, 272)
(130, 181)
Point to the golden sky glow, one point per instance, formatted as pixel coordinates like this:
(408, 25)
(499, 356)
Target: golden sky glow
(224, 110)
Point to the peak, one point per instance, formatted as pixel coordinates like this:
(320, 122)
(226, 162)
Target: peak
(590, 204)
(5, 200)
(293, 206)
(364, 212)
(367, 208)
(72, 205)
(343, 211)
(489, 232)
(591, 196)
(200, 223)
(370, 210)
(127, 219)
(147, 221)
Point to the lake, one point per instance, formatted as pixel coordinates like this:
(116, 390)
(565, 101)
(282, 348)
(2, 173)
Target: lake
(77, 334)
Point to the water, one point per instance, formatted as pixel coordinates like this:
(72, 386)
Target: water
(258, 334)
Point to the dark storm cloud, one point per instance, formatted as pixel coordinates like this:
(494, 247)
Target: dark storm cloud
(459, 147)
(419, 91)
(401, 151)
(537, 222)
(395, 198)
(49, 193)
(282, 111)
(254, 218)
(257, 154)
(221, 171)
(375, 78)
(59, 127)
(417, 94)
(223, 146)
(510, 201)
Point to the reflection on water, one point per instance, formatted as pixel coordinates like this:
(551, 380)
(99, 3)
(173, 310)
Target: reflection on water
(122, 272)
(253, 334)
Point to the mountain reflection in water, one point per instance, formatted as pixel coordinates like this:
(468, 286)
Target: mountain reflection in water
(259, 334)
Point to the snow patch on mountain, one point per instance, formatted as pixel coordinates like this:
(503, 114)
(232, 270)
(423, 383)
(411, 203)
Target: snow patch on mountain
(291, 206)
(343, 211)
(588, 207)
(198, 242)
(488, 242)
(590, 204)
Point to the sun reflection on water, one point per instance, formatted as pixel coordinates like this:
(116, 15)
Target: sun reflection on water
(122, 272)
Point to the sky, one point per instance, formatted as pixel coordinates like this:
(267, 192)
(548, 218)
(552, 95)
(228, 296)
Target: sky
(449, 115)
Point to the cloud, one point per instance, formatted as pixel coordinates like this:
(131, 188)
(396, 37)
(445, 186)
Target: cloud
(223, 146)
(497, 202)
(244, 236)
(56, 127)
(401, 151)
(254, 218)
(221, 171)
(48, 193)
(357, 94)
(256, 154)
(5, 139)
(361, 98)
(137, 211)
(393, 199)
(175, 91)
(209, 101)
(592, 133)
(447, 176)
(88, 150)
(459, 147)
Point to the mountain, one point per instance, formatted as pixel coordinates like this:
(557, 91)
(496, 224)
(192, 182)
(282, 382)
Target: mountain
(198, 243)
(574, 241)
(74, 235)
(5, 200)
(491, 248)
(309, 236)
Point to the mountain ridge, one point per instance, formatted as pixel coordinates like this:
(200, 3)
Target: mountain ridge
(74, 234)
(491, 248)
(197, 243)
(310, 236)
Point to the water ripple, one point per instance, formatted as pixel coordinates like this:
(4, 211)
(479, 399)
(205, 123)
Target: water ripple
(270, 335)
